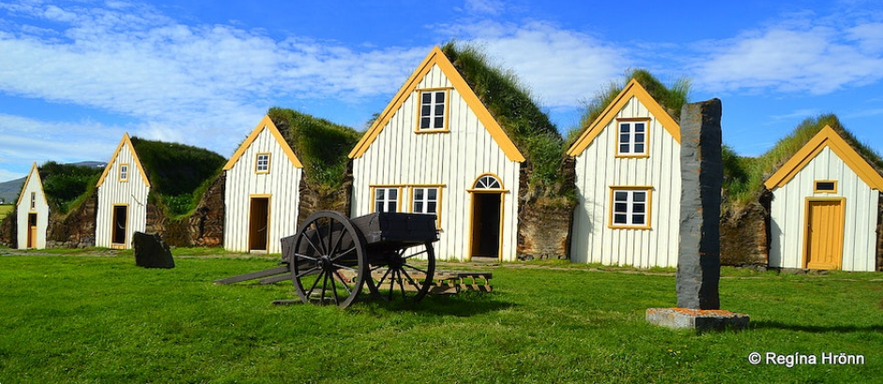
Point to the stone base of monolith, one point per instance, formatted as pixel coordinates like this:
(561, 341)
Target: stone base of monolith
(699, 319)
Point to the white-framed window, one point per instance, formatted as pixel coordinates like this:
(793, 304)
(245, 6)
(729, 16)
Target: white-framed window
(124, 172)
(433, 110)
(33, 200)
(631, 138)
(262, 163)
(630, 207)
(425, 200)
(487, 182)
(386, 199)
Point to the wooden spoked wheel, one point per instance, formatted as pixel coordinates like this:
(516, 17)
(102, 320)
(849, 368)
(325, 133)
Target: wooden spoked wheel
(405, 273)
(329, 263)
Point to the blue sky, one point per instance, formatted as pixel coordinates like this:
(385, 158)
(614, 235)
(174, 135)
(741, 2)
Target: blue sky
(76, 75)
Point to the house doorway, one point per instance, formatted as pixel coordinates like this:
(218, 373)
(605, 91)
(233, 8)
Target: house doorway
(32, 230)
(120, 224)
(258, 224)
(486, 224)
(824, 234)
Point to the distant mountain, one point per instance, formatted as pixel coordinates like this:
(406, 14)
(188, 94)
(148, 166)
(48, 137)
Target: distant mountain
(9, 189)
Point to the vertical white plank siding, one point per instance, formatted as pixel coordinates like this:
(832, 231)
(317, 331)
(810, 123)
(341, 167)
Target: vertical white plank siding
(788, 214)
(455, 159)
(112, 192)
(33, 185)
(281, 184)
(597, 169)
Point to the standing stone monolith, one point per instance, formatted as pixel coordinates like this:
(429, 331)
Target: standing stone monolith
(702, 174)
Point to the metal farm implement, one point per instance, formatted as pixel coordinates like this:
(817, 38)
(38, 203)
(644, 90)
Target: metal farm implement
(332, 257)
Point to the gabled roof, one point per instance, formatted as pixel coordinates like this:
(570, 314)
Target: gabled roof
(35, 173)
(632, 89)
(266, 123)
(125, 141)
(827, 137)
(437, 57)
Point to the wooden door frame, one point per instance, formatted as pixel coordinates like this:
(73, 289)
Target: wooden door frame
(472, 192)
(251, 199)
(32, 230)
(806, 223)
(113, 224)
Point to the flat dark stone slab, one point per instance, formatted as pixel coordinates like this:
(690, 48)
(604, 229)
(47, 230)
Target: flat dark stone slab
(698, 319)
(151, 251)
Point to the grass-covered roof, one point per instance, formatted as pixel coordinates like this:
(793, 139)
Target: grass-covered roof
(514, 109)
(67, 185)
(178, 173)
(322, 146)
(671, 98)
(744, 176)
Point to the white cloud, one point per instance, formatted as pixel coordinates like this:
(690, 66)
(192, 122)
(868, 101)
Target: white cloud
(561, 67)
(493, 7)
(803, 55)
(27, 140)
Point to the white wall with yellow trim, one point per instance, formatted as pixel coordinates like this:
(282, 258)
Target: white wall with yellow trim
(113, 192)
(281, 184)
(400, 156)
(32, 200)
(788, 214)
(598, 169)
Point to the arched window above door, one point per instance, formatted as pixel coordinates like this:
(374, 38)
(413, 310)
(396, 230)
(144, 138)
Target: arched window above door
(487, 181)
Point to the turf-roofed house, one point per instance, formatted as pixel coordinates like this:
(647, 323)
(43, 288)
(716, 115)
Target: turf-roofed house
(270, 189)
(462, 141)
(32, 210)
(628, 176)
(154, 187)
(825, 208)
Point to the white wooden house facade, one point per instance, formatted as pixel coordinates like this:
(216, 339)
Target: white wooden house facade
(32, 212)
(823, 214)
(262, 192)
(122, 198)
(437, 149)
(628, 184)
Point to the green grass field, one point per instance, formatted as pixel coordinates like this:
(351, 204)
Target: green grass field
(102, 319)
(6, 209)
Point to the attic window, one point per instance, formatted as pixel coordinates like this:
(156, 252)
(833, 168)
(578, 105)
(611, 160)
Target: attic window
(631, 138)
(124, 173)
(433, 111)
(825, 186)
(262, 163)
(33, 200)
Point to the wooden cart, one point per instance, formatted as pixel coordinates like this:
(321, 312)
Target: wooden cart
(332, 257)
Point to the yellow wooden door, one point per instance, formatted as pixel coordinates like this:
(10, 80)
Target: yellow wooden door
(32, 230)
(824, 234)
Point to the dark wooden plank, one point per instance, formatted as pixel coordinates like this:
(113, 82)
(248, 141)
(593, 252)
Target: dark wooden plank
(254, 275)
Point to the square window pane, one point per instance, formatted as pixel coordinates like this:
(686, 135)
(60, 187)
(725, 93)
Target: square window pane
(639, 138)
(624, 138)
(638, 208)
(624, 128)
(619, 219)
(430, 207)
(380, 193)
(639, 197)
(638, 219)
(427, 98)
(621, 196)
(393, 194)
(418, 194)
(639, 127)
(439, 122)
(392, 206)
(639, 148)
(425, 110)
(433, 193)
(439, 109)
(418, 206)
(439, 97)
(378, 207)
(623, 148)
(620, 207)
(424, 123)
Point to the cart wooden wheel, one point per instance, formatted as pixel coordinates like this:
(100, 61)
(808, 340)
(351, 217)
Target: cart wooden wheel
(406, 272)
(329, 264)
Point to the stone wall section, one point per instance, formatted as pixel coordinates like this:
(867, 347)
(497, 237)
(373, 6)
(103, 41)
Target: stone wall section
(545, 224)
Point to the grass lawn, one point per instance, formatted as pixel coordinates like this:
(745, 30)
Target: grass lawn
(5, 209)
(102, 319)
